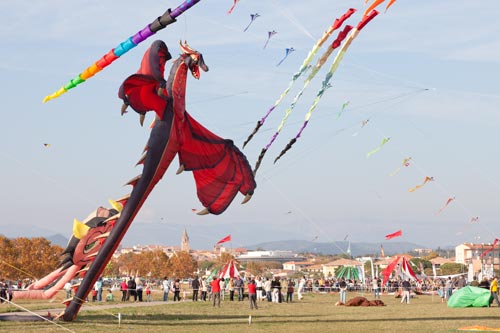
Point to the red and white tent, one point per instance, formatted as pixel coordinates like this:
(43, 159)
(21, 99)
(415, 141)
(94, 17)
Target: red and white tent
(229, 270)
(403, 269)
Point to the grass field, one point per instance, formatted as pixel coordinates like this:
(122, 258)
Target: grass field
(316, 313)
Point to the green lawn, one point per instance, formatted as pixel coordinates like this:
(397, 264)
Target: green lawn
(316, 313)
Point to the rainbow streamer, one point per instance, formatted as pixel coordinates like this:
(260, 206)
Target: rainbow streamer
(161, 22)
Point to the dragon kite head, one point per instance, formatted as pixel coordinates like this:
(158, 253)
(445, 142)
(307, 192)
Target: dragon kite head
(193, 59)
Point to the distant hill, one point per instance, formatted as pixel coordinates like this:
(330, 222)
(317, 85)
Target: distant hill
(339, 247)
(32, 231)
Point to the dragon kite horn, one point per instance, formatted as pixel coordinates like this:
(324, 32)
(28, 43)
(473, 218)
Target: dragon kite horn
(185, 48)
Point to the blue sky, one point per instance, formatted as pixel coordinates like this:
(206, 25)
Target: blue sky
(424, 73)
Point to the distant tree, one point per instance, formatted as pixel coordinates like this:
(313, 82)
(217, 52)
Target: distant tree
(28, 258)
(431, 255)
(181, 265)
(452, 268)
(224, 258)
(254, 268)
(205, 265)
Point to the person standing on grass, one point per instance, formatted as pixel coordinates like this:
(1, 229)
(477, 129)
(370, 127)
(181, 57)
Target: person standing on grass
(494, 290)
(204, 289)
(343, 290)
(289, 290)
(406, 291)
(239, 284)
(267, 288)
(215, 284)
(195, 284)
(252, 294)
(177, 290)
(123, 288)
(376, 287)
(230, 287)
(300, 289)
(165, 285)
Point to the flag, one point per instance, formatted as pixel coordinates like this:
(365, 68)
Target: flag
(394, 234)
(490, 249)
(225, 239)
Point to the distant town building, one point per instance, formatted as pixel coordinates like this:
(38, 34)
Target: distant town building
(278, 256)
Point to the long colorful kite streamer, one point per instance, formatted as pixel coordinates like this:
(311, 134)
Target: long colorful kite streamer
(342, 34)
(232, 7)
(287, 52)
(384, 141)
(338, 58)
(426, 180)
(161, 22)
(253, 17)
(303, 68)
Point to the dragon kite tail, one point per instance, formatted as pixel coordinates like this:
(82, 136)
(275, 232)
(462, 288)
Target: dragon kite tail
(287, 148)
(256, 129)
(259, 160)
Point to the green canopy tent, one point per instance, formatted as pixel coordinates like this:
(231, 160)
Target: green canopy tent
(470, 297)
(348, 273)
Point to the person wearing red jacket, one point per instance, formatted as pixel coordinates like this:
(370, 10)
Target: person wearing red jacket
(252, 294)
(215, 284)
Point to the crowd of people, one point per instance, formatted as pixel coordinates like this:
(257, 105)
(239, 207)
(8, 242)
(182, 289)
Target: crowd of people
(259, 288)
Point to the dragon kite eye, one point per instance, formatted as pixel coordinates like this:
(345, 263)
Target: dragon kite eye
(89, 247)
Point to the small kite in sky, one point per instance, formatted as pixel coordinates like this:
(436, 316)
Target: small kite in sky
(224, 240)
(269, 35)
(405, 163)
(490, 249)
(287, 52)
(394, 234)
(384, 141)
(342, 109)
(446, 204)
(474, 219)
(426, 180)
(232, 7)
(363, 124)
(253, 17)
(46, 145)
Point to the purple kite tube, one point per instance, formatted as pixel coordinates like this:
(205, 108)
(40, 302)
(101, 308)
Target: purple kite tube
(183, 7)
(142, 35)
